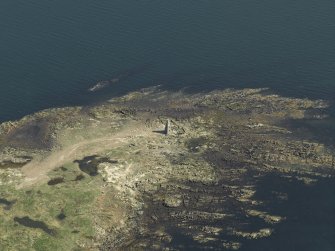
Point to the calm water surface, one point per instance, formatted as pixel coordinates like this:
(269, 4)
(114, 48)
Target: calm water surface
(51, 52)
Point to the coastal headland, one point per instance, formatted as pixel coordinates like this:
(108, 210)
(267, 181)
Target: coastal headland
(231, 173)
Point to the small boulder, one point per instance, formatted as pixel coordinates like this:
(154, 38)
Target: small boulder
(172, 201)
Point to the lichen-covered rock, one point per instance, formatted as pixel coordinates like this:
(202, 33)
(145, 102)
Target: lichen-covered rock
(172, 201)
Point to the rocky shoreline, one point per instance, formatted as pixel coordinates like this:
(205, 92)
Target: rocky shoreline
(214, 182)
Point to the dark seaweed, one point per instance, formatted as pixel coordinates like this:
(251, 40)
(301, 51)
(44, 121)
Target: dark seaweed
(309, 212)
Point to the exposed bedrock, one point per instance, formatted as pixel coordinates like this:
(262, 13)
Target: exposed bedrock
(228, 174)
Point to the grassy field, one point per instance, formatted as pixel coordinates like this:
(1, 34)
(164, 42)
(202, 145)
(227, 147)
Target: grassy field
(66, 208)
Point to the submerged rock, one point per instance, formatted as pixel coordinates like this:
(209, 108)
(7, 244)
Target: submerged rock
(264, 232)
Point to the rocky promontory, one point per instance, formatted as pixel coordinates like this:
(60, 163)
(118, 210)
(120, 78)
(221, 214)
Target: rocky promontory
(226, 176)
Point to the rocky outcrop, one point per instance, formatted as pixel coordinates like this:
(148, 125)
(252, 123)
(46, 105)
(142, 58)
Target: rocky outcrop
(200, 186)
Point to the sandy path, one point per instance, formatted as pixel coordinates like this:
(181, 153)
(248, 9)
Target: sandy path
(37, 170)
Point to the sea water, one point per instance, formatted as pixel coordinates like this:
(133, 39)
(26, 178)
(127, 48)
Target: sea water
(52, 52)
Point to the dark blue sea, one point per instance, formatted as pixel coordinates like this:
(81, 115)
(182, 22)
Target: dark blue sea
(51, 52)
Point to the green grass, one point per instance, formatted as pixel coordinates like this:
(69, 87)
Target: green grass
(43, 203)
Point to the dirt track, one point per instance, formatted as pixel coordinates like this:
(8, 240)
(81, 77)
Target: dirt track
(36, 171)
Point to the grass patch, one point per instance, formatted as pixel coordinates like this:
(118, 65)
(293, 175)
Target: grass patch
(76, 199)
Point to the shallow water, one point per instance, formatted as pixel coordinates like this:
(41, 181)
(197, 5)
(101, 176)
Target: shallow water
(307, 211)
(52, 52)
